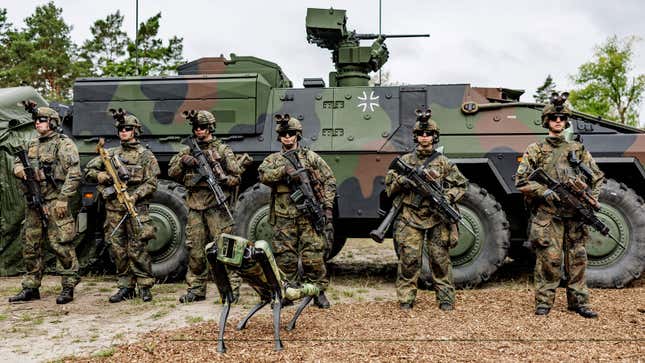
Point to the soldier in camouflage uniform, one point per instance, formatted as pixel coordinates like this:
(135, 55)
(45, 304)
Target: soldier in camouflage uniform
(553, 229)
(294, 237)
(55, 158)
(206, 221)
(419, 226)
(128, 240)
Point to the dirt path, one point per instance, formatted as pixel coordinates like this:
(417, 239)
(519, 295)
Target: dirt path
(361, 287)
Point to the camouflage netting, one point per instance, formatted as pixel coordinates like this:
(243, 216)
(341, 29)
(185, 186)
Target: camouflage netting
(13, 135)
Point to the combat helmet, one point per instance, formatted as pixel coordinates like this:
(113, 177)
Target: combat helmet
(201, 118)
(425, 123)
(123, 118)
(557, 106)
(43, 112)
(287, 123)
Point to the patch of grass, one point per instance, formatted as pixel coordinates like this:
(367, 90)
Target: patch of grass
(104, 289)
(159, 314)
(90, 283)
(118, 336)
(149, 347)
(38, 320)
(104, 353)
(194, 319)
(348, 293)
(167, 288)
(362, 290)
(378, 298)
(94, 337)
(3, 317)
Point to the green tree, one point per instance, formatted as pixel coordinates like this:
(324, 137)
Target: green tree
(606, 86)
(42, 54)
(107, 46)
(149, 56)
(543, 93)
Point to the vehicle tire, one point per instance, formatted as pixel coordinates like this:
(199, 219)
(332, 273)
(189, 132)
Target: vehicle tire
(168, 212)
(252, 217)
(623, 211)
(476, 258)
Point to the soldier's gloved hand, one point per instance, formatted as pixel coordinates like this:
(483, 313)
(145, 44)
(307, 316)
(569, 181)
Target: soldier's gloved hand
(188, 161)
(551, 197)
(405, 182)
(20, 173)
(104, 178)
(291, 172)
(60, 208)
(231, 180)
(329, 215)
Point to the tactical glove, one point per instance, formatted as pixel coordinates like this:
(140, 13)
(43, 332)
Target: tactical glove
(406, 183)
(60, 208)
(104, 178)
(188, 161)
(291, 172)
(551, 197)
(20, 172)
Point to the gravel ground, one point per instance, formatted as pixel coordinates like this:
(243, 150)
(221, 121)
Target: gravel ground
(492, 322)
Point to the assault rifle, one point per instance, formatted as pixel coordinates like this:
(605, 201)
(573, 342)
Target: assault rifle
(115, 169)
(426, 187)
(35, 198)
(304, 195)
(573, 194)
(205, 172)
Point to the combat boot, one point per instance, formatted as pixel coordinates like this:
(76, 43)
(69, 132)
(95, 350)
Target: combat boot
(321, 301)
(585, 312)
(542, 311)
(445, 306)
(191, 297)
(145, 293)
(406, 306)
(123, 294)
(66, 295)
(27, 294)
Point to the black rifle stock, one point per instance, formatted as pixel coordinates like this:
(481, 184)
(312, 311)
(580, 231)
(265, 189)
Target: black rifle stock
(378, 234)
(206, 173)
(35, 197)
(578, 200)
(304, 195)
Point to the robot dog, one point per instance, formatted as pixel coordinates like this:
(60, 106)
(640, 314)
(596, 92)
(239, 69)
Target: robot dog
(256, 265)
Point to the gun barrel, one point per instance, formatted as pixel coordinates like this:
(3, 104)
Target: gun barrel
(374, 36)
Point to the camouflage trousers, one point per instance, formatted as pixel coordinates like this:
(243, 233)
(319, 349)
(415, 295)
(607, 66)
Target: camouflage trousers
(60, 234)
(295, 239)
(129, 247)
(555, 239)
(411, 242)
(203, 227)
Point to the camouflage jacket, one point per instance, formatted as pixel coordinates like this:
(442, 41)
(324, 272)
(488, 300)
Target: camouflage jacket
(551, 155)
(200, 196)
(273, 173)
(417, 211)
(142, 167)
(55, 157)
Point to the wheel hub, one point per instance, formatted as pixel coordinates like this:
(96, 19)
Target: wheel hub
(259, 227)
(469, 245)
(602, 250)
(168, 232)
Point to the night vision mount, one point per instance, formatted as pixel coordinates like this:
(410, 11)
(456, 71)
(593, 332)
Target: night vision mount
(558, 100)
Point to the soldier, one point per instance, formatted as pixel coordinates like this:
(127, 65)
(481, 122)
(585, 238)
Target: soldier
(553, 228)
(55, 158)
(206, 221)
(126, 236)
(419, 225)
(294, 236)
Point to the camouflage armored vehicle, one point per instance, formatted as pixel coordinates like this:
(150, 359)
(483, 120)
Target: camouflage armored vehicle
(358, 129)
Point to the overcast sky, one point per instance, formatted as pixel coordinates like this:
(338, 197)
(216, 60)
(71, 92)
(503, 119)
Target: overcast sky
(512, 44)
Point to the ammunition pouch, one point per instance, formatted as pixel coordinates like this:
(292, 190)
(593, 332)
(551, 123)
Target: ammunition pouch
(108, 193)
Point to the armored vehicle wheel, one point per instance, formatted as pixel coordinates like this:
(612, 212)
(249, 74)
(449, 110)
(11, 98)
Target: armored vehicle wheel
(623, 211)
(476, 258)
(252, 217)
(168, 249)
